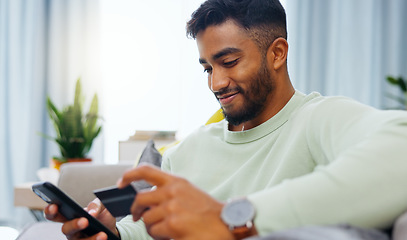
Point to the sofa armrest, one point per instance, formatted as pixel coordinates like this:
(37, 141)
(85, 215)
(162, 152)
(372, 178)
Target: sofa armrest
(78, 180)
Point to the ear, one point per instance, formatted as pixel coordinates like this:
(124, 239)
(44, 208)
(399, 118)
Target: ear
(277, 53)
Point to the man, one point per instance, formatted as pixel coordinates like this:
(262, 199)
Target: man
(284, 158)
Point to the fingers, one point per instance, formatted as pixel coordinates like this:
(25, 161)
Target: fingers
(99, 236)
(166, 228)
(153, 216)
(72, 229)
(146, 172)
(147, 199)
(51, 213)
(159, 215)
(95, 207)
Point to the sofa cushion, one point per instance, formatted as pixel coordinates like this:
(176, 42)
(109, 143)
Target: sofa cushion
(150, 155)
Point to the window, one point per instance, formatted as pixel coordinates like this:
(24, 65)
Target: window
(151, 76)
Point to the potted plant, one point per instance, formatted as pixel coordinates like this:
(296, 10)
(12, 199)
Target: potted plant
(75, 131)
(402, 85)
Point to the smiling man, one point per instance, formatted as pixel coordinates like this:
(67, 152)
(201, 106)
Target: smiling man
(280, 160)
(239, 74)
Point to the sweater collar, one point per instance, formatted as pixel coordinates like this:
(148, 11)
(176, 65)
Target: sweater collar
(267, 127)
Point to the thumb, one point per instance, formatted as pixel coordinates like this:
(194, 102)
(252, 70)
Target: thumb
(95, 207)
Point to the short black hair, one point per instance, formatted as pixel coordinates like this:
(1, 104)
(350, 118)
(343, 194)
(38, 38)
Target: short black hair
(264, 20)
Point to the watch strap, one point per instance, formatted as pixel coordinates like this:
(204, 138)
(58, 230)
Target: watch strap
(244, 232)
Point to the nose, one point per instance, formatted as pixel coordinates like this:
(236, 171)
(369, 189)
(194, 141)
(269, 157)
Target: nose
(218, 80)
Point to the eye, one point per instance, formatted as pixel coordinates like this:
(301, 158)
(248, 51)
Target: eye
(231, 63)
(208, 70)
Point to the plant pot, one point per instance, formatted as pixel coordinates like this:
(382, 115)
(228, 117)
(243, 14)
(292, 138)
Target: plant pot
(57, 164)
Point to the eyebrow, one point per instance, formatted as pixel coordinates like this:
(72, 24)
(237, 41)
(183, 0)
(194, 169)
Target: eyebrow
(220, 54)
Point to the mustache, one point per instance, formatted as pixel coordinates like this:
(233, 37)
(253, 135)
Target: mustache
(226, 91)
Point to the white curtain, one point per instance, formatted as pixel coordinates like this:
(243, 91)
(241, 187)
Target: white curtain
(44, 47)
(348, 47)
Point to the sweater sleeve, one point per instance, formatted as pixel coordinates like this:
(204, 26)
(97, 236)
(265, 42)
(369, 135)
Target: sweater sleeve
(363, 180)
(130, 230)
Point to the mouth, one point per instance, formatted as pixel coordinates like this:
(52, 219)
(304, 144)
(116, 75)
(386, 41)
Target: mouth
(226, 98)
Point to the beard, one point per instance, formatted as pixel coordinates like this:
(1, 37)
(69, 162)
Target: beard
(254, 97)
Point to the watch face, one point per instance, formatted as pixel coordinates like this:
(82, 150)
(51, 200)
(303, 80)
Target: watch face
(238, 212)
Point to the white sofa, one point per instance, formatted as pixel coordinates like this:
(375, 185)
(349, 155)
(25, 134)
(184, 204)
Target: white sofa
(78, 180)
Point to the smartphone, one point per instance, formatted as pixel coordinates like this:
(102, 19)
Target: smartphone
(70, 209)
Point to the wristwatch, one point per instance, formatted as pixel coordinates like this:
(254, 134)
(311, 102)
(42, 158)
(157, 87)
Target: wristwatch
(238, 215)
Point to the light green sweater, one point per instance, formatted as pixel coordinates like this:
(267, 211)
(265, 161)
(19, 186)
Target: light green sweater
(320, 160)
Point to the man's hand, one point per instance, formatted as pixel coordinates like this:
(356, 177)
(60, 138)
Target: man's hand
(177, 209)
(73, 227)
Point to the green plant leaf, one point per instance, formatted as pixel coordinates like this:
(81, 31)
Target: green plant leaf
(78, 99)
(75, 131)
(91, 118)
(392, 80)
(402, 84)
(54, 115)
(60, 159)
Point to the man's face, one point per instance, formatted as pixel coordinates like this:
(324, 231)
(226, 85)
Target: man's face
(237, 71)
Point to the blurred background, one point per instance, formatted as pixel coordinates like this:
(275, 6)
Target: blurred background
(135, 55)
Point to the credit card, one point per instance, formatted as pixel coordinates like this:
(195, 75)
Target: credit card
(117, 201)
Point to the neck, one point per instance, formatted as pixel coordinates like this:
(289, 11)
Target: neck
(274, 103)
